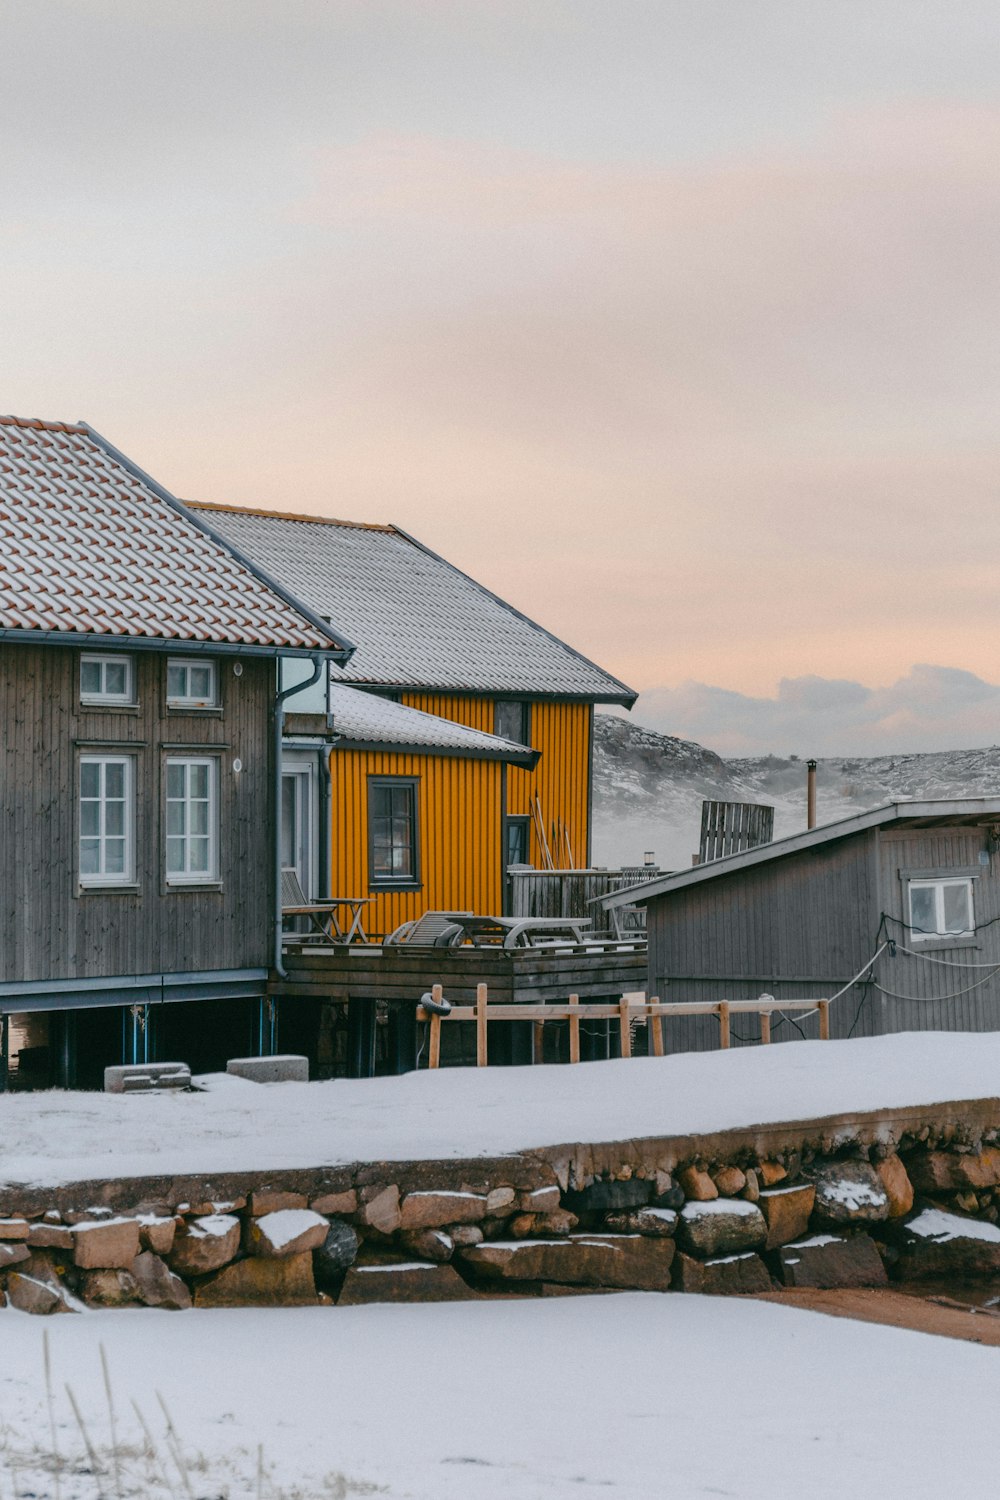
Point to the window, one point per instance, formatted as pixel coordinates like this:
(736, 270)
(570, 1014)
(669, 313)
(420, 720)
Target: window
(512, 720)
(192, 819)
(191, 684)
(107, 819)
(392, 831)
(941, 908)
(106, 679)
(518, 848)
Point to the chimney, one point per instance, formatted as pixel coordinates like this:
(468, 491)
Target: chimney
(810, 794)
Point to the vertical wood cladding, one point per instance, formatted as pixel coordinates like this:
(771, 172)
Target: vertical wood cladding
(561, 730)
(50, 928)
(458, 829)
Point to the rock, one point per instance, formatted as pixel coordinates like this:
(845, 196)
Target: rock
(156, 1284)
(338, 1252)
(108, 1244)
(898, 1187)
(434, 1210)
(697, 1186)
(935, 1243)
(408, 1281)
(13, 1229)
(467, 1234)
(108, 1288)
(213, 1206)
(850, 1192)
(604, 1197)
(335, 1204)
(261, 1281)
(730, 1181)
(501, 1199)
(50, 1237)
(274, 1201)
(379, 1208)
(771, 1172)
(729, 1276)
(539, 1201)
(13, 1255)
(157, 1234)
(752, 1190)
(289, 1231)
(633, 1262)
(951, 1172)
(32, 1296)
(205, 1245)
(527, 1226)
(431, 1244)
(661, 1223)
(725, 1226)
(830, 1260)
(967, 1202)
(492, 1228)
(786, 1212)
(287, 1068)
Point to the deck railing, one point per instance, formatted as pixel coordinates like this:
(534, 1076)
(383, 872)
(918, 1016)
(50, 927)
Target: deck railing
(573, 893)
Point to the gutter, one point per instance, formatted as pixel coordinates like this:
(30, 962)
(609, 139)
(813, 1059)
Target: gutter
(279, 724)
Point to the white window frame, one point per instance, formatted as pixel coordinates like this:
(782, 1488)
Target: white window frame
(189, 700)
(187, 876)
(103, 877)
(937, 884)
(104, 660)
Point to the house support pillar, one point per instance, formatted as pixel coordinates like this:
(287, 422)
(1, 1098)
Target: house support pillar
(136, 1041)
(4, 1053)
(361, 1038)
(267, 1026)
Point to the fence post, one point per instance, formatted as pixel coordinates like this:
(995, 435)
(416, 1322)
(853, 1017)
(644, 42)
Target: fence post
(626, 1026)
(481, 1052)
(574, 1030)
(434, 1042)
(765, 1026)
(655, 1024)
(823, 1007)
(723, 1023)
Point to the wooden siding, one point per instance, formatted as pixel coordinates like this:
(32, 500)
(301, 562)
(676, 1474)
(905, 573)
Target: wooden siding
(458, 828)
(49, 929)
(561, 730)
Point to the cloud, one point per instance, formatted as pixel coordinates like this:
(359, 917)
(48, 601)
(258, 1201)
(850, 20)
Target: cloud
(931, 708)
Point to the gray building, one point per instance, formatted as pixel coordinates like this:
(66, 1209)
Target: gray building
(914, 886)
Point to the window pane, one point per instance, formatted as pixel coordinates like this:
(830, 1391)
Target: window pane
(401, 831)
(89, 856)
(176, 681)
(90, 779)
(288, 839)
(90, 819)
(115, 678)
(382, 801)
(176, 779)
(923, 913)
(114, 779)
(175, 856)
(90, 678)
(957, 908)
(200, 682)
(114, 856)
(198, 781)
(199, 856)
(199, 817)
(114, 819)
(175, 818)
(510, 719)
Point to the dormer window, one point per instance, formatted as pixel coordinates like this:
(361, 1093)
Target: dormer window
(106, 679)
(191, 684)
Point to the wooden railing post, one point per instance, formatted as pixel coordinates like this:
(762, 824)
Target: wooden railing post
(625, 1025)
(765, 1026)
(481, 1049)
(434, 1042)
(823, 1006)
(655, 1024)
(723, 1023)
(574, 1029)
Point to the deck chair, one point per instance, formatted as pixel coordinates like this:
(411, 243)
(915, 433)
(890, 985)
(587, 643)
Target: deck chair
(435, 929)
(321, 914)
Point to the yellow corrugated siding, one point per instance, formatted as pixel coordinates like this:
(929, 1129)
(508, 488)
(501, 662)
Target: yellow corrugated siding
(477, 713)
(458, 812)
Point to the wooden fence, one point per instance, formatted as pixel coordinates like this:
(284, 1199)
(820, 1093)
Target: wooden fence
(573, 893)
(729, 827)
(629, 1009)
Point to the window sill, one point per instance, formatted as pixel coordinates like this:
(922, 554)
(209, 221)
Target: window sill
(97, 706)
(941, 944)
(189, 887)
(395, 885)
(198, 711)
(95, 889)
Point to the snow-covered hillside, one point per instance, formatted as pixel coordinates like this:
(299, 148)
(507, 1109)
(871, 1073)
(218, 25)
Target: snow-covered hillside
(648, 788)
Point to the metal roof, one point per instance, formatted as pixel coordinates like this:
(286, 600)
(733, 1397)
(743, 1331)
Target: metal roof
(363, 720)
(915, 814)
(420, 622)
(90, 545)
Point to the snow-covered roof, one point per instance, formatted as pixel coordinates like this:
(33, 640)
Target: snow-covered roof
(418, 621)
(364, 720)
(89, 545)
(969, 810)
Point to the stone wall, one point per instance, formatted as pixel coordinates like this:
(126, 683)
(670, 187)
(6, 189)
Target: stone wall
(823, 1203)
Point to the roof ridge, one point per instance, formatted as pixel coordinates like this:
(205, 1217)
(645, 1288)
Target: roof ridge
(40, 424)
(287, 515)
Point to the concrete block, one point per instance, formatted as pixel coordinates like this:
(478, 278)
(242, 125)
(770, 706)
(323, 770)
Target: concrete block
(284, 1069)
(146, 1078)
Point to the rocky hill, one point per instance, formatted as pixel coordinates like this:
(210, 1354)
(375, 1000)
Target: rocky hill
(648, 788)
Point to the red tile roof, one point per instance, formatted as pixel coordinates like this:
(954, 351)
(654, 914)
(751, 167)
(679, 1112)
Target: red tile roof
(90, 545)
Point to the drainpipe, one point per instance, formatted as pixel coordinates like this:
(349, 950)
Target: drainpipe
(279, 726)
(810, 794)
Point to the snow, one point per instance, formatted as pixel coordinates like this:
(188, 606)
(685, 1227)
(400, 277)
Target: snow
(286, 1224)
(935, 1224)
(814, 1240)
(738, 1207)
(441, 1402)
(853, 1194)
(55, 1137)
(212, 1226)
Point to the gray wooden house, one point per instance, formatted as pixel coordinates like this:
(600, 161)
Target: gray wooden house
(140, 729)
(915, 883)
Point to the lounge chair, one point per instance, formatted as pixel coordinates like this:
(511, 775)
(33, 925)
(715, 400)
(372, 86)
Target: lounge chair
(435, 929)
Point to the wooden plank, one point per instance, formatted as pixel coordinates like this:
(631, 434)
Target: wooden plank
(625, 1025)
(574, 1028)
(823, 1006)
(765, 1027)
(655, 1024)
(481, 1034)
(723, 1011)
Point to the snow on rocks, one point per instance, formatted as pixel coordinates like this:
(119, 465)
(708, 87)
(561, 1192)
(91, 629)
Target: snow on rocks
(786, 1211)
(428, 1210)
(288, 1231)
(725, 1276)
(722, 1226)
(850, 1192)
(626, 1261)
(205, 1245)
(827, 1261)
(106, 1244)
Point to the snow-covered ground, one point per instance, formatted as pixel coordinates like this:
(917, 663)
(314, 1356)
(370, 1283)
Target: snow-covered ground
(633, 1396)
(238, 1126)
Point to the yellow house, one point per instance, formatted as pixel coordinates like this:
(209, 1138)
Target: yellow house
(434, 644)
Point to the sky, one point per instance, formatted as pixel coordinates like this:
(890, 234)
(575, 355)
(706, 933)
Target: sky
(674, 323)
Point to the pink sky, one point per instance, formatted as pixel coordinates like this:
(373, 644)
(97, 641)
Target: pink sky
(676, 326)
